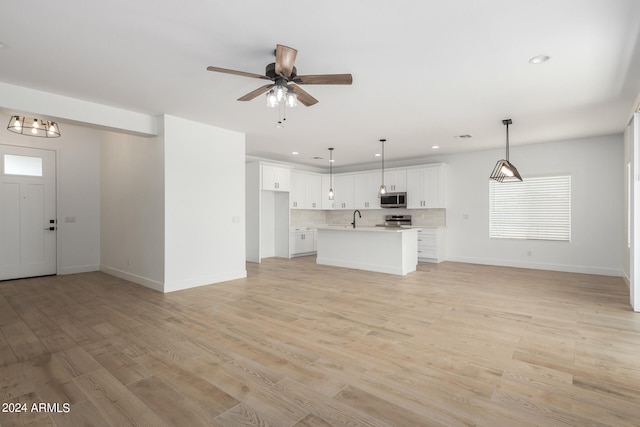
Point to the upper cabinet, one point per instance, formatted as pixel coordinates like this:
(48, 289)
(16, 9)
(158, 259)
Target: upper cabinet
(275, 178)
(425, 187)
(344, 192)
(306, 189)
(395, 180)
(298, 192)
(314, 191)
(324, 196)
(366, 187)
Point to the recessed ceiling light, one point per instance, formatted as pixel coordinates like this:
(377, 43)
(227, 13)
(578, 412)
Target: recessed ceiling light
(464, 136)
(378, 154)
(539, 59)
(295, 153)
(435, 147)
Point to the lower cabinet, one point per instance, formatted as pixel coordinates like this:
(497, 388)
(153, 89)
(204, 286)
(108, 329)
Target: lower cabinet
(431, 244)
(302, 242)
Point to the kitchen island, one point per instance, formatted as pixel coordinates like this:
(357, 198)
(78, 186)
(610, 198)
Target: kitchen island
(385, 250)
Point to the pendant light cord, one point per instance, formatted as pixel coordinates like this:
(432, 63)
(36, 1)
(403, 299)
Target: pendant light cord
(507, 141)
(382, 140)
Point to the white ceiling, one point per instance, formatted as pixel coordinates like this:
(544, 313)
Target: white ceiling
(423, 71)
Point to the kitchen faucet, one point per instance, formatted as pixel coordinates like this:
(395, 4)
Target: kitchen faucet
(354, 217)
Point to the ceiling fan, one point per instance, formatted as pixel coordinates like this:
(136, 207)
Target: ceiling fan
(285, 79)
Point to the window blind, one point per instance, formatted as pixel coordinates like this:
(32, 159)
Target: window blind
(536, 209)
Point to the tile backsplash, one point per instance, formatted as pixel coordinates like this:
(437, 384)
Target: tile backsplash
(424, 217)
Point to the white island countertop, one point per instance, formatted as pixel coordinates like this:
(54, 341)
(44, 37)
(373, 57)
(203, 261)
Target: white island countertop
(392, 250)
(367, 228)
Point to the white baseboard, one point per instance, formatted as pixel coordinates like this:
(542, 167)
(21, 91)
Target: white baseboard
(193, 282)
(149, 283)
(601, 271)
(78, 269)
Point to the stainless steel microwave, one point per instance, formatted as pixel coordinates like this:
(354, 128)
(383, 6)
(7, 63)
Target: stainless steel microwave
(393, 200)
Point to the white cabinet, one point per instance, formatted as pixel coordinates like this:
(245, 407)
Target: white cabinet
(431, 244)
(275, 178)
(313, 190)
(395, 180)
(366, 187)
(425, 187)
(298, 191)
(324, 196)
(302, 242)
(305, 190)
(344, 191)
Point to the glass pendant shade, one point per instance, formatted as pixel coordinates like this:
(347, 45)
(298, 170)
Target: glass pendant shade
(280, 92)
(33, 127)
(272, 100)
(331, 194)
(383, 190)
(292, 99)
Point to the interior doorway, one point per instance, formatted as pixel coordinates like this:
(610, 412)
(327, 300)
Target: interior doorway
(28, 225)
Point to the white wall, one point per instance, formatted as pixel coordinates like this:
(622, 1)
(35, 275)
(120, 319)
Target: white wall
(77, 192)
(204, 204)
(597, 200)
(132, 208)
(632, 149)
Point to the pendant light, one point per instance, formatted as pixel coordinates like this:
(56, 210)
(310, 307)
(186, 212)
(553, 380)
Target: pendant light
(383, 190)
(504, 170)
(33, 127)
(331, 194)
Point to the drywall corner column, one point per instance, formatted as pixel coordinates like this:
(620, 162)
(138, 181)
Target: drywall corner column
(634, 275)
(204, 204)
(132, 208)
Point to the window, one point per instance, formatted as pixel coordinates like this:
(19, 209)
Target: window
(22, 165)
(535, 209)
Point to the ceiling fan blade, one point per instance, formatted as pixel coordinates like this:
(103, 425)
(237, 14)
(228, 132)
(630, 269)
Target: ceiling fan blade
(237, 73)
(324, 79)
(303, 96)
(255, 93)
(285, 58)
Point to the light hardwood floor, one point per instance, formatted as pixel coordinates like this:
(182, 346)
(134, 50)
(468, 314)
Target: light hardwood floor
(297, 344)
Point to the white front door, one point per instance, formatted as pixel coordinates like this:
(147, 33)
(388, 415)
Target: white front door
(27, 212)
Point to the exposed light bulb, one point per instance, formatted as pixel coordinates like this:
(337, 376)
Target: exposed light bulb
(331, 194)
(383, 190)
(35, 123)
(505, 170)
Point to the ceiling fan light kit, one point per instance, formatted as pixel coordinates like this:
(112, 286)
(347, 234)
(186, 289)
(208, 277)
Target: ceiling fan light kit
(285, 86)
(33, 127)
(504, 170)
